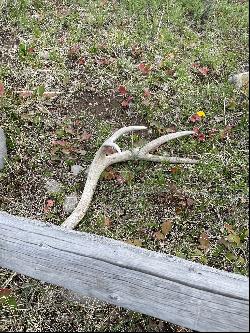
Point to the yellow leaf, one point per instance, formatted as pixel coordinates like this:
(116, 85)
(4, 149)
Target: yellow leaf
(201, 114)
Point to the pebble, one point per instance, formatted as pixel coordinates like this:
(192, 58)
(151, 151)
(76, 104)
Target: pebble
(53, 186)
(3, 148)
(70, 203)
(76, 169)
(240, 80)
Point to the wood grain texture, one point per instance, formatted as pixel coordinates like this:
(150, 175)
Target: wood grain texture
(169, 288)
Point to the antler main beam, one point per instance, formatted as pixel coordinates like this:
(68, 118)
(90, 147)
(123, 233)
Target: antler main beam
(101, 161)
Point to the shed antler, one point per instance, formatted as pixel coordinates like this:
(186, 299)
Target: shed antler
(101, 161)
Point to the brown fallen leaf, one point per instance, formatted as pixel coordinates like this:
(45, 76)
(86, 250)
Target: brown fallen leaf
(135, 242)
(107, 222)
(159, 235)
(1, 89)
(25, 93)
(204, 241)
(166, 227)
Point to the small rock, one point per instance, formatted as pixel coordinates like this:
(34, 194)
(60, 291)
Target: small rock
(70, 203)
(3, 148)
(76, 169)
(44, 55)
(53, 186)
(240, 80)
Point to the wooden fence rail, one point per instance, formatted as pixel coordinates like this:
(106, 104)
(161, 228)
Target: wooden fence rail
(169, 288)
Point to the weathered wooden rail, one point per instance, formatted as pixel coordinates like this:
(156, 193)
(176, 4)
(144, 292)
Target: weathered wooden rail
(176, 290)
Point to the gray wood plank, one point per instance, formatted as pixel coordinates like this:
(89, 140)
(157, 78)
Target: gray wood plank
(169, 288)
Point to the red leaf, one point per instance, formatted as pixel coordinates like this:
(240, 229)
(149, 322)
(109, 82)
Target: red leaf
(50, 203)
(81, 61)
(5, 292)
(146, 93)
(1, 89)
(126, 102)
(59, 142)
(31, 50)
(194, 118)
(196, 130)
(85, 136)
(145, 69)
(201, 137)
(122, 90)
(203, 70)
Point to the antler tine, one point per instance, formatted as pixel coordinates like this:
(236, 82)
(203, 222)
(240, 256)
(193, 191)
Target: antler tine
(111, 140)
(122, 131)
(152, 145)
(169, 159)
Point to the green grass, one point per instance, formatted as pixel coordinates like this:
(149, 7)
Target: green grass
(38, 50)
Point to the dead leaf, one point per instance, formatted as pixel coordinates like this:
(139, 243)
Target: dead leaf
(120, 179)
(48, 205)
(59, 142)
(126, 102)
(144, 68)
(135, 242)
(1, 89)
(85, 136)
(159, 235)
(5, 292)
(31, 50)
(122, 90)
(73, 50)
(25, 93)
(81, 61)
(201, 137)
(225, 134)
(204, 241)
(104, 61)
(170, 72)
(166, 227)
(136, 51)
(201, 69)
(146, 93)
(194, 118)
(107, 222)
(229, 228)
(175, 170)
(109, 150)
